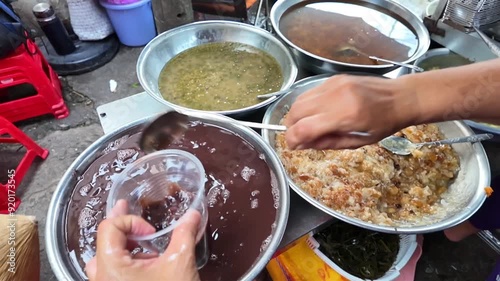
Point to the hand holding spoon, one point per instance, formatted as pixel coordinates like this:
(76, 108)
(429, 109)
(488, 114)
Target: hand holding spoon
(172, 125)
(403, 146)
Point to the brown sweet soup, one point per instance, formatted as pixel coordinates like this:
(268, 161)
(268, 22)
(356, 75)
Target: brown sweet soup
(161, 212)
(241, 190)
(347, 32)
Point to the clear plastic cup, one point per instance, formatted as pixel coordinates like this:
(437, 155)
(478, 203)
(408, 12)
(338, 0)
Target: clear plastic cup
(161, 187)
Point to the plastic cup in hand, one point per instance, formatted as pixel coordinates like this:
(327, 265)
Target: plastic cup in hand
(160, 187)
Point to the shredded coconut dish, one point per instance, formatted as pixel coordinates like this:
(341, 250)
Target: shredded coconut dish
(372, 184)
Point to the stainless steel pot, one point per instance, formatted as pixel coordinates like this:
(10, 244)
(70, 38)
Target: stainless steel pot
(450, 59)
(464, 196)
(55, 236)
(319, 64)
(431, 53)
(167, 45)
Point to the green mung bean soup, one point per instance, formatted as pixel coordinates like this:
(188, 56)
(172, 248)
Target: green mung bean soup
(220, 76)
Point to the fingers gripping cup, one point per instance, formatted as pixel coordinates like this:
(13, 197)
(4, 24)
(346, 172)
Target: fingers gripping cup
(160, 187)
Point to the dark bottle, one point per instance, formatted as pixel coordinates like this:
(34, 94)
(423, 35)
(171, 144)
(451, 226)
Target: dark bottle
(53, 29)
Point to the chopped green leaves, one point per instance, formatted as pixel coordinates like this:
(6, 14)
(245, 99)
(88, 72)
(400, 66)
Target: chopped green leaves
(360, 252)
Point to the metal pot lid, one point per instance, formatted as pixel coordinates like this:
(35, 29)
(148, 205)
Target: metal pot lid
(349, 31)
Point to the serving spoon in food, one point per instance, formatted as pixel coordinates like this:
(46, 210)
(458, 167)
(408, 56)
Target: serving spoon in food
(172, 125)
(403, 146)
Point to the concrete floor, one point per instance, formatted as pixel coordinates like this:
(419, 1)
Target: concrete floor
(66, 139)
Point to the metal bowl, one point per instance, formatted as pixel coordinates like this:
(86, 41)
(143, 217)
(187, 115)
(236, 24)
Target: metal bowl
(55, 236)
(464, 196)
(319, 64)
(167, 45)
(482, 128)
(441, 52)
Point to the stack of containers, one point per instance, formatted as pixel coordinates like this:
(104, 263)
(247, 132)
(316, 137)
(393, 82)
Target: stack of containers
(132, 20)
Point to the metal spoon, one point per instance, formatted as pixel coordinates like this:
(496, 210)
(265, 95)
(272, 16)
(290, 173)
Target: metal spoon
(489, 42)
(291, 89)
(172, 125)
(285, 91)
(411, 66)
(349, 51)
(403, 146)
(163, 131)
(276, 94)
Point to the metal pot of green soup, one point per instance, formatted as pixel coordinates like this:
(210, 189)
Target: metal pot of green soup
(216, 66)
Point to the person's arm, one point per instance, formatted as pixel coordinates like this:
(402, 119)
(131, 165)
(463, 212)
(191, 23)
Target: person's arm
(323, 117)
(468, 92)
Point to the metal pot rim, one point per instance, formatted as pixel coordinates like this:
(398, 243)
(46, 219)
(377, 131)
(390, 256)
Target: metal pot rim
(56, 212)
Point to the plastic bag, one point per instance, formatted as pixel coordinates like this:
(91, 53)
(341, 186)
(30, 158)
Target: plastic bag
(89, 20)
(12, 31)
(20, 248)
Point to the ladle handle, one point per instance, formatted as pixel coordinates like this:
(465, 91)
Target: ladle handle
(269, 126)
(258, 12)
(262, 126)
(489, 42)
(473, 138)
(278, 93)
(283, 128)
(414, 67)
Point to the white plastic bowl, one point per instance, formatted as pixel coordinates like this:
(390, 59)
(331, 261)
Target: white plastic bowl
(407, 246)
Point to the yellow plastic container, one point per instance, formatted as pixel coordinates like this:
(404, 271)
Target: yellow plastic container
(300, 263)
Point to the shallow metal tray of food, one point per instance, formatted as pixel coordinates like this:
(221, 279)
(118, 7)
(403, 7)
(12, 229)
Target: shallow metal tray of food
(464, 196)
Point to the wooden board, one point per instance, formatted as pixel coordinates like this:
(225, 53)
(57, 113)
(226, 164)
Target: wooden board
(172, 13)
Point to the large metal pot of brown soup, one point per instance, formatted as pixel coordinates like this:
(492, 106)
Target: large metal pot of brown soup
(336, 36)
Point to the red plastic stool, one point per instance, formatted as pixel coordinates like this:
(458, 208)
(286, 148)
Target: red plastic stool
(27, 65)
(11, 134)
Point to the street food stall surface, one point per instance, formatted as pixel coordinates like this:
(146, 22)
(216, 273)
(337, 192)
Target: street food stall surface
(303, 217)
